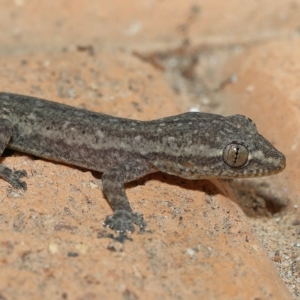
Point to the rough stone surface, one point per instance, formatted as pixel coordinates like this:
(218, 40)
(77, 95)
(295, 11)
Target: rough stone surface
(205, 240)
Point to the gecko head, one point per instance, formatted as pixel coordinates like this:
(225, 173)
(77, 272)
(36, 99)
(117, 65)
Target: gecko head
(251, 155)
(242, 152)
(224, 147)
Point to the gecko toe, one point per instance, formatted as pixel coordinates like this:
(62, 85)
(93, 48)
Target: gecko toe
(15, 181)
(138, 219)
(20, 173)
(18, 184)
(122, 221)
(119, 224)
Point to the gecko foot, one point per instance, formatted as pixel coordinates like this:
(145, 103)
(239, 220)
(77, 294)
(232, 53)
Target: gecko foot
(14, 179)
(123, 221)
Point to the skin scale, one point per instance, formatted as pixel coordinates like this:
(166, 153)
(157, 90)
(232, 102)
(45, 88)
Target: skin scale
(191, 145)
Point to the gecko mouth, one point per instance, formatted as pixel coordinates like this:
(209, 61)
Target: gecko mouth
(272, 169)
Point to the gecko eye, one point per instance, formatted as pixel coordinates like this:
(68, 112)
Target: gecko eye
(235, 155)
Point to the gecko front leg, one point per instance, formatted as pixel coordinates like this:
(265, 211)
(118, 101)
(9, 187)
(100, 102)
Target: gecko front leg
(11, 176)
(113, 181)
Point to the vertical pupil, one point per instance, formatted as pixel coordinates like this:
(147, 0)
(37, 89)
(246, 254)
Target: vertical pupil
(235, 155)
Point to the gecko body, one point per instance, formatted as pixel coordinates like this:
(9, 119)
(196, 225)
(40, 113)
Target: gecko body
(191, 145)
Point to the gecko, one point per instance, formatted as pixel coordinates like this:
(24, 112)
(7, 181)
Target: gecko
(191, 145)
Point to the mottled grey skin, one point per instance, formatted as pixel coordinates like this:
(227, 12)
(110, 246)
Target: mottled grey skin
(189, 145)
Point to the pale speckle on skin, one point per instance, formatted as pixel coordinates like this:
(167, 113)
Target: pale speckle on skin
(162, 124)
(187, 150)
(276, 162)
(171, 139)
(116, 155)
(179, 124)
(100, 133)
(195, 131)
(159, 129)
(113, 120)
(217, 166)
(137, 138)
(6, 97)
(66, 125)
(259, 154)
(227, 130)
(79, 113)
(39, 103)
